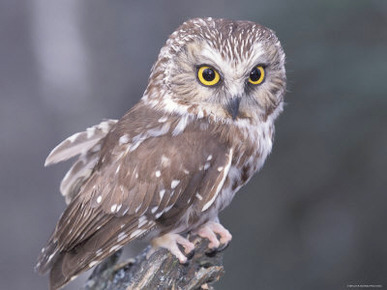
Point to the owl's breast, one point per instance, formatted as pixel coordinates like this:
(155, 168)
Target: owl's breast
(232, 156)
(249, 157)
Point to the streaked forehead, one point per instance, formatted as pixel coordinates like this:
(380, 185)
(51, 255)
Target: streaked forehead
(234, 40)
(236, 61)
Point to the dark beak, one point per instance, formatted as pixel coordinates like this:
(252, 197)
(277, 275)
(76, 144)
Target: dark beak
(233, 107)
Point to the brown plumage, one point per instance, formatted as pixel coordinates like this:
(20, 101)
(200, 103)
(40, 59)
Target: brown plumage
(177, 157)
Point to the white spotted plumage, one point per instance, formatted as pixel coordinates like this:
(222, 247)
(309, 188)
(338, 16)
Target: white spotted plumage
(177, 158)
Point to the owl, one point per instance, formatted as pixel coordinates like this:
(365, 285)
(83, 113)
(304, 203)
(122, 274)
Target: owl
(203, 127)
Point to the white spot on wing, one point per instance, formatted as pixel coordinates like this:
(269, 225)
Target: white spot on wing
(123, 139)
(162, 193)
(142, 220)
(199, 196)
(51, 256)
(168, 208)
(113, 208)
(158, 131)
(121, 236)
(158, 173)
(174, 183)
(93, 263)
(105, 125)
(135, 146)
(114, 248)
(163, 119)
(165, 161)
(90, 132)
(73, 137)
(137, 233)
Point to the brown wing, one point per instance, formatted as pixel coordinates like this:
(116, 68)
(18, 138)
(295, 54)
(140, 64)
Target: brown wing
(143, 176)
(87, 145)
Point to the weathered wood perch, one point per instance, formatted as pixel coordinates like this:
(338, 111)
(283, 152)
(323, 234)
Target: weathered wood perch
(161, 271)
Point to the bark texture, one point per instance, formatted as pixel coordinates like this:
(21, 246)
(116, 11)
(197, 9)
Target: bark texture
(160, 271)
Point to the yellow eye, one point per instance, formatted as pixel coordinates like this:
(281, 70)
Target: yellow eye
(257, 75)
(208, 76)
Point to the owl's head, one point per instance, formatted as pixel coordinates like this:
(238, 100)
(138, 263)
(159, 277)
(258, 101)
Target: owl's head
(226, 70)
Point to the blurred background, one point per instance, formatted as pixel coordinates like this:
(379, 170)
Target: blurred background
(316, 215)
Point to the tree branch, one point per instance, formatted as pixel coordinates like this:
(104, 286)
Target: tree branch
(160, 271)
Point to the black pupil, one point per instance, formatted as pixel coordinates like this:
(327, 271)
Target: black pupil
(208, 74)
(255, 74)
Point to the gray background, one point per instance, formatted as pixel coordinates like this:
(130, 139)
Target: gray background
(314, 218)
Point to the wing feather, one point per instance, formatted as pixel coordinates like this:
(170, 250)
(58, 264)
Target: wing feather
(87, 144)
(77, 174)
(79, 142)
(131, 188)
(94, 250)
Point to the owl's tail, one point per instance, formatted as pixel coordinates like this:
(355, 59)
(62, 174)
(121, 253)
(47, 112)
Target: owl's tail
(66, 265)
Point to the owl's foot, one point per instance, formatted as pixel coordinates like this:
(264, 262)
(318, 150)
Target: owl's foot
(169, 242)
(210, 230)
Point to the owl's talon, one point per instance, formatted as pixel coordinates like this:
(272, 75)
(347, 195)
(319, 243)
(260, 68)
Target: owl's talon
(222, 247)
(170, 242)
(210, 230)
(207, 233)
(190, 254)
(211, 252)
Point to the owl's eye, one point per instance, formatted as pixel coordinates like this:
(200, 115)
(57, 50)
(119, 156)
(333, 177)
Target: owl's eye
(257, 75)
(208, 76)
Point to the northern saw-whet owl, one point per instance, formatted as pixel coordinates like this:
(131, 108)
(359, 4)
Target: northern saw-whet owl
(203, 127)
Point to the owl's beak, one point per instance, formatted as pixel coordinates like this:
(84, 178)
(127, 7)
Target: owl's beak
(233, 107)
